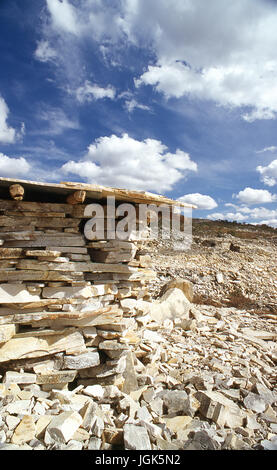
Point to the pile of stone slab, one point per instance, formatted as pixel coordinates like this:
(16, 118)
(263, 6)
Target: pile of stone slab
(67, 302)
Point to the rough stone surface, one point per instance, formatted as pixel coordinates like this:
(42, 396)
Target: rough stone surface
(62, 427)
(136, 437)
(25, 431)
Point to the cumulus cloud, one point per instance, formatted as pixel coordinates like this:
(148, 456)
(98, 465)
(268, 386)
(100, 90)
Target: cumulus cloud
(13, 167)
(232, 216)
(255, 196)
(90, 91)
(7, 133)
(130, 163)
(268, 173)
(231, 62)
(224, 52)
(250, 215)
(262, 212)
(64, 16)
(202, 201)
(270, 222)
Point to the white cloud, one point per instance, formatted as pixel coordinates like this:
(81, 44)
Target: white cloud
(215, 83)
(224, 52)
(231, 62)
(44, 52)
(200, 200)
(268, 173)
(90, 91)
(270, 222)
(244, 213)
(255, 196)
(57, 121)
(89, 18)
(64, 16)
(272, 148)
(128, 163)
(236, 216)
(132, 104)
(13, 167)
(232, 216)
(216, 216)
(262, 212)
(7, 133)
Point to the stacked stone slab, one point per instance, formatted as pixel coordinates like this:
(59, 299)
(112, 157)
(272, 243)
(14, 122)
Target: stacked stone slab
(60, 296)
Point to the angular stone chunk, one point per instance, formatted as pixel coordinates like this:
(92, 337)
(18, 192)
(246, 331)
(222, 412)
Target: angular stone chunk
(42, 424)
(175, 401)
(94, 443)
(6, 332)
(221, 410)
(66, 292)
(255, 402)
(97, 426)
(19, 407)
(95, 391)
(136, 438)
(62, 427)
(173, 304)
(82, 361)
(12, 377)
(25, 431)
(56, 377)
(178, 423)
(29, 347)
(183, 284)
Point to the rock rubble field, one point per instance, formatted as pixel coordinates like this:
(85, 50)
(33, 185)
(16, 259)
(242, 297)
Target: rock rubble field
(202, 380)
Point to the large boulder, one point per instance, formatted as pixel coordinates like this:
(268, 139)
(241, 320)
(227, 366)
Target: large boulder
(183, 284)
(173, 304)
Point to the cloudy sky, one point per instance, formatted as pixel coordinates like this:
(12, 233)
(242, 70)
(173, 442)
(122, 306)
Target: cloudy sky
(177, 97)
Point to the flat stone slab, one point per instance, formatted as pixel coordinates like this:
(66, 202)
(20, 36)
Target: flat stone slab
(16, 293)
(82, 361)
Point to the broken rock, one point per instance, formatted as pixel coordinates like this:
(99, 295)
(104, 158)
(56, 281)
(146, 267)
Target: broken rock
(218, 408)
(62, 427)
(136, 437)
(25, 431)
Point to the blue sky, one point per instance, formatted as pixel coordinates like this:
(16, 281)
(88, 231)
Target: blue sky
(177, 97)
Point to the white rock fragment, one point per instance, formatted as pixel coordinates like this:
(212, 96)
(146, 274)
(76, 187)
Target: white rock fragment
(62, 427)
(136, 438)
(19, 407)
(82, 361)
(97, 426)
(152, 336)
(94, 391)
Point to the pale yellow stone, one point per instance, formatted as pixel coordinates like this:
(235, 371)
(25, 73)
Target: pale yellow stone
(14, 389)
(25, 431)
(6, 332)
(17, 348)
(81, 435)
(42, 424)
(178, 423)
(24, 395)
